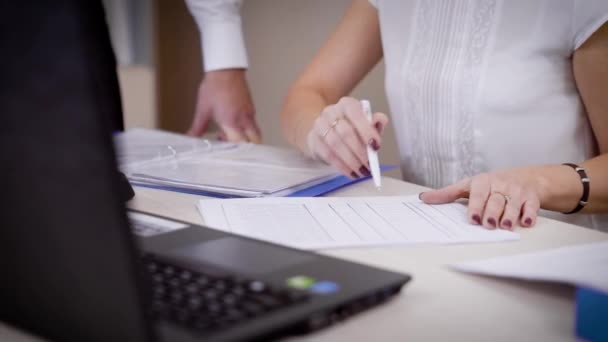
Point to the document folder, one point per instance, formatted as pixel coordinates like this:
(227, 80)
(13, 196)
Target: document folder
(169, 161)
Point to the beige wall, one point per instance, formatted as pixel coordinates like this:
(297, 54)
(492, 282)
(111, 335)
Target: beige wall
(138, 96)
(282, 36)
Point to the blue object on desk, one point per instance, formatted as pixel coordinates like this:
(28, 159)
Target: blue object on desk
(591, 314)
(333, 184)
(313, 191)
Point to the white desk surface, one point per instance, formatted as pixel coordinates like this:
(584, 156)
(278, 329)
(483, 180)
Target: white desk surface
(438, 304)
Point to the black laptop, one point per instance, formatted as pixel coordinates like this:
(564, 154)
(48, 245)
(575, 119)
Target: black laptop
(76, 266)
(72, 269)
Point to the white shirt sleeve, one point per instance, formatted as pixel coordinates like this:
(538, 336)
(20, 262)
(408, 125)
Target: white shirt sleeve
(589, 16)
(222, 42)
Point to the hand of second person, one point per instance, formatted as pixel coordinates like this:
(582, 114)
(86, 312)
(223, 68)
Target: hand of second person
(497, 199)
(224, 97)
(341, 134)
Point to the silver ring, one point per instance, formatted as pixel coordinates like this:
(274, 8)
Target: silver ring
(505, 196)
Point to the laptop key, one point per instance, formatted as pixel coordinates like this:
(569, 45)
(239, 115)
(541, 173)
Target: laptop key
(152, 267)
(238, 291)
(174, 282)
(194, 303)
(202, 281)
(169, 270)
(210, 294)
(257, 286)
(267, 301)
(176, 297)
(229, 300)
(220, 285)
(211, 301)
(192, 289)
(186, 275)
(159, 291)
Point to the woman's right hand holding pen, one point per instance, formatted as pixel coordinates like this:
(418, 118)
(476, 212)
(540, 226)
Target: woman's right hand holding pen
(340, 136)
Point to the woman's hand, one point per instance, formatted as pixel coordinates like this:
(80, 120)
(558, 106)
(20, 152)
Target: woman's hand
(341, 134)
(496, 199)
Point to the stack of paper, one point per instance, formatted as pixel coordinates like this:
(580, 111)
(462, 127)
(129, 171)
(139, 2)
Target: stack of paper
(316, 223)
(157, 158)
(583, 265)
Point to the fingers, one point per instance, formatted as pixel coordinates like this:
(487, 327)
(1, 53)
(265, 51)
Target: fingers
(493, 210)
(323, 151)
(447, 194)
(496, 200)
(345, 131)
(512, 209)
(200, 123)
(505, 208)
(253, 136)
(530, 210)
(221, 136)
(234, 134)
(478, 196)
(244, 130)
(328, 133)
(349, 137)
(252, 131)
(380, 121)
(367, 133)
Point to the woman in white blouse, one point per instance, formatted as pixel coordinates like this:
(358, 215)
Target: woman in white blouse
(488, 99)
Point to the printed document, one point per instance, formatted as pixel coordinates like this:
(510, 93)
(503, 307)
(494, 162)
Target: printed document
(583, 265)
(319, 223)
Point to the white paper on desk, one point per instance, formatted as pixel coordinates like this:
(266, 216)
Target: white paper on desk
(318, 223)
(585, 265)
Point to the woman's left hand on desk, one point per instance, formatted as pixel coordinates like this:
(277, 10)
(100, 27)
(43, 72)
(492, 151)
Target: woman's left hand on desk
(498, 199)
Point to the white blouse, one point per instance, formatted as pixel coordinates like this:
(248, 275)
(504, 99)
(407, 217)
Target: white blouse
(479, 85)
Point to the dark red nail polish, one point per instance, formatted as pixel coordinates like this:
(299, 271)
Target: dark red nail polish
(374, 144)
(476, 219)
(492, 222)
(507, 224)
(379, 127)
(354, 175)
(528, 221)
(364, 171)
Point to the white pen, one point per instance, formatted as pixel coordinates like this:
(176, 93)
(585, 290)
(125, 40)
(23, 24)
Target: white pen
(372, 155)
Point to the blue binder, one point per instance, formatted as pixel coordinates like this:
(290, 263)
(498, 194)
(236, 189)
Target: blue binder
(313, 191)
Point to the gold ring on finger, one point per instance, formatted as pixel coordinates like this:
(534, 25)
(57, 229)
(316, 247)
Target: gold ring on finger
(333, 124)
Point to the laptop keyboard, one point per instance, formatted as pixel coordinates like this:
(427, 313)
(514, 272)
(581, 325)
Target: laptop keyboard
(209, 302)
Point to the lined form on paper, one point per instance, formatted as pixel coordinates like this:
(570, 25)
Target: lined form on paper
(320, 223)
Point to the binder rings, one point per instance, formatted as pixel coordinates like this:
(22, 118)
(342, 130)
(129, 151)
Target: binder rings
(175, 162)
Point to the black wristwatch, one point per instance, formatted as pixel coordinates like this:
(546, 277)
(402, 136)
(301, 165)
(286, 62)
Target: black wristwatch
(585, 181)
